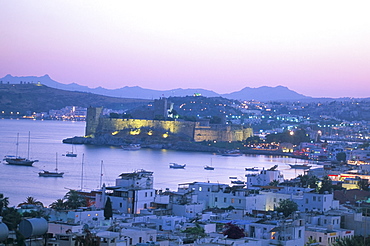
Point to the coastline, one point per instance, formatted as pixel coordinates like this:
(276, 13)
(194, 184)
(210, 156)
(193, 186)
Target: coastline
(178, 146)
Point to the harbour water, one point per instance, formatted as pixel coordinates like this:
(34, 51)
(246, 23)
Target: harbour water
(102, 164)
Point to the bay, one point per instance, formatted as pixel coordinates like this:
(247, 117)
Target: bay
(84, 171)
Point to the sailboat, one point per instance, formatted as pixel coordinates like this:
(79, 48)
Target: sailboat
(55, 173)
(17, 160)
(206, 167)
(70, 153)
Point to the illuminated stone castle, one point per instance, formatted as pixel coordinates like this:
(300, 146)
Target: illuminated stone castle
(96, 125)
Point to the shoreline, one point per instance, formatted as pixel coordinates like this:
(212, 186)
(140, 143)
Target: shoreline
(179, 146)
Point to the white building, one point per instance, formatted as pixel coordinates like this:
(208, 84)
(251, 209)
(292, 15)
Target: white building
(132, 192)
(265, 177)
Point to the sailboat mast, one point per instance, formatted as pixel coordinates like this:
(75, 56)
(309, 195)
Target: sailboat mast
(101, 173)
(28, 149)
(56, 162)
(82, 171)
(17, 144)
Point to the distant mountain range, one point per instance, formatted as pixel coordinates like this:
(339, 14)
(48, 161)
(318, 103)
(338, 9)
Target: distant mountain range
(263, 93)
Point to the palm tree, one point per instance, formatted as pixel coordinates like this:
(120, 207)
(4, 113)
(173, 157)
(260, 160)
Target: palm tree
(74, 200)
(31, 201)
(58, 204)
(4, 202)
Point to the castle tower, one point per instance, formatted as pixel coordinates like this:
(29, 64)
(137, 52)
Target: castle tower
(92, 120)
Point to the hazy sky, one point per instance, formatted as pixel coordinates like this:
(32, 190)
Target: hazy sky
(317, 48)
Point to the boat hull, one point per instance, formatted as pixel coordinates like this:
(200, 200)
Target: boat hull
(19, 161)
(50, 174)
(299, 166)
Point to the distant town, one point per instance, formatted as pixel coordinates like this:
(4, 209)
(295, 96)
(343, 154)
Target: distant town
(324, 206)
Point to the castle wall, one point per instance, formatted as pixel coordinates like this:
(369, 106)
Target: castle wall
(197, 131)
(221, 133)
(172, 127)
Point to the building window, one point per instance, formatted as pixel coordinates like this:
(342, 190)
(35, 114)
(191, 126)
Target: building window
(151, 193)
(299, 233)
(145, 205)
(275, 199)
(224, 199)
(146, 194)
(120, 204)
(314, 198)
(306, 200)
(215, 199)
(200, 188)
(319, 199)
(240, 201)
(319, 239)
(232, 200)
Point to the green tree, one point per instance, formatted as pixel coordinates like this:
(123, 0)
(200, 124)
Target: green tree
(58, 204)
(233, 231)
(195, 232)
(11, 218)
(353, 241)
(31, 201)
(363, 184)
(274, 182)
(108, 211)
(74, 200)
(326, 185)
(4, 202)
(287, 207)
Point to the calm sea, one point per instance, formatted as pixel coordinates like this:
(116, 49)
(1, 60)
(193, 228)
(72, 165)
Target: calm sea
(84, 171)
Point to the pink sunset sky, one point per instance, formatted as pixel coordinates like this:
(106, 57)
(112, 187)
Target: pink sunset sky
(316, 48)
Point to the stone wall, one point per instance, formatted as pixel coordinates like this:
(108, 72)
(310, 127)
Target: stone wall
(196, 131)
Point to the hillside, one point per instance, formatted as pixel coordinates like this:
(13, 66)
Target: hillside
(40, 98)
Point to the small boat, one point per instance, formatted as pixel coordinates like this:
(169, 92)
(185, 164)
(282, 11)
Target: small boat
(71, 154)
(55, 173)
(233, 152)
(45, 173)
(17, 160)
(252, 169)
(177, 166)
(237, 182)
(300, 166)
(209, 168)
(233, 177)
(131, 147)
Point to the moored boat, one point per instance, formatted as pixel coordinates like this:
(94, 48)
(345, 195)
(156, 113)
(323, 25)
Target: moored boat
(209, 168)
(55, 173)
(177, 166)
(71, 154)
(131, 147)
(45, 173)
(300, 166)
(237, 182)
(252, 169)
(234, 152)
(17, 160)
